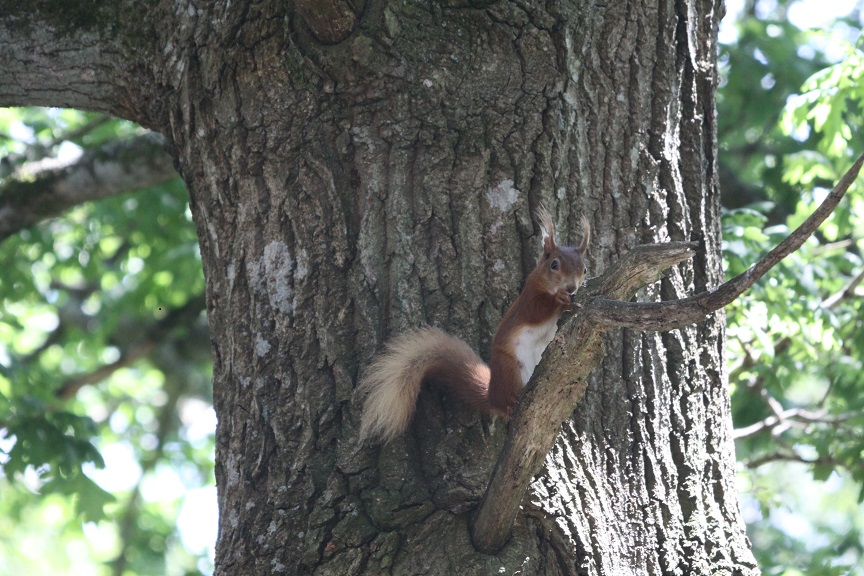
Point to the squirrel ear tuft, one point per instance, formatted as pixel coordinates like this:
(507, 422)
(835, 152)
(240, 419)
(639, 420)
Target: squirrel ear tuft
(547, 227)
(586, 236)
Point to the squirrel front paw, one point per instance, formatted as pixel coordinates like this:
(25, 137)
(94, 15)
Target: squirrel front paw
(562, 298)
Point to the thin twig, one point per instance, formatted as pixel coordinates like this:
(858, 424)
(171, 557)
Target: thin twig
(847, 293)
(839, 245)
(792, 456)
(793, 416)
(80, 130)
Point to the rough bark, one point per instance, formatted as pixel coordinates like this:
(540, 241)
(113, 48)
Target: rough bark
(345, 192)
(79, 54)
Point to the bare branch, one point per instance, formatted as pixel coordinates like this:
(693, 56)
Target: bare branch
(135, 352)
(839, 245)
(40, 150)
(847, 293)
(114, 168)
(81, 130)
(782, 419)
(793, 417)
(793, 456)
(183, 315)
(660, 316)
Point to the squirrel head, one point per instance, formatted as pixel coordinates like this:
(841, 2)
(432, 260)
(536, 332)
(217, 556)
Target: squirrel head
(561, 266)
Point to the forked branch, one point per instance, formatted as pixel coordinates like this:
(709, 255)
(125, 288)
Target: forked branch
(560, 380)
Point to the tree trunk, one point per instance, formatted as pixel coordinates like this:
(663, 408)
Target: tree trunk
(355, 176)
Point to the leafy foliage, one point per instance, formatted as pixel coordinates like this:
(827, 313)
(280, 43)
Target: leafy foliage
(103, 344)
(796, 340)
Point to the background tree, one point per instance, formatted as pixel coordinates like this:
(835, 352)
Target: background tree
(795, 342)
(423, 182)
(85, 298)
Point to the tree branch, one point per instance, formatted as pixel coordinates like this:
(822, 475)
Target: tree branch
(782, 419)
(67, 54)
(560, 380)
(32, 194)
(793, 456)
(39, 150)
(793, 417)
(154, 336)
(847, 293)
(661, 316)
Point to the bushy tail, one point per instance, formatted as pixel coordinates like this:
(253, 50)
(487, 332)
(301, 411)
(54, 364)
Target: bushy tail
(392, 382)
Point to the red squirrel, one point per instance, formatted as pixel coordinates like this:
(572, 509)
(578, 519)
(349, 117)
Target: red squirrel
(392, 382)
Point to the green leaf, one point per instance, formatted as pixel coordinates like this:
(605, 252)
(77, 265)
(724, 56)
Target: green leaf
(822, 471)
(90, 499)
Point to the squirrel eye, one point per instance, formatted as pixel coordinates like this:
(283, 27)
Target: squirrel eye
(554, 264)
(584, 270)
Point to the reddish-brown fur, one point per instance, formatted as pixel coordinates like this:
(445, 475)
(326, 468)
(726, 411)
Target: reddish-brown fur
(532, 307)
(429, 355)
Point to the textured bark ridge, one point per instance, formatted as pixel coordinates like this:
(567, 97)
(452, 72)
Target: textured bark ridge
(352, 179)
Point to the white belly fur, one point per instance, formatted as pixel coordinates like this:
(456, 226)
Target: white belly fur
(529, 344)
